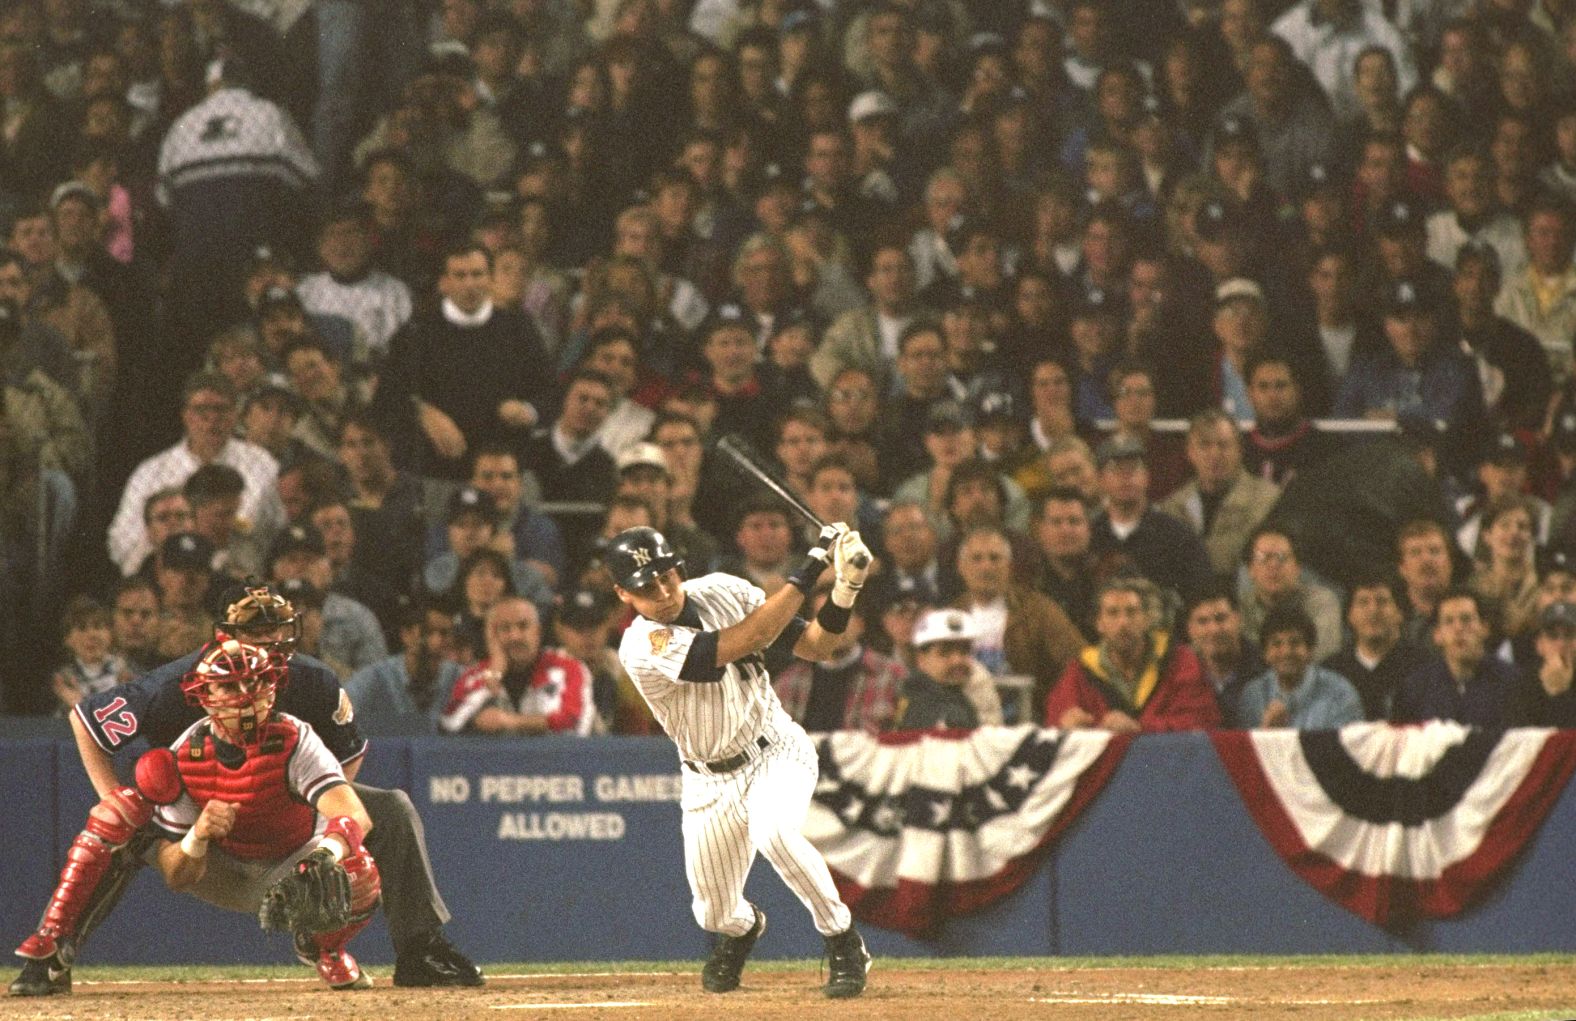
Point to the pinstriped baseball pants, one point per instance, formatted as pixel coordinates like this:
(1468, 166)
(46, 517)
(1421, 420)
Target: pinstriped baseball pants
(759, 807)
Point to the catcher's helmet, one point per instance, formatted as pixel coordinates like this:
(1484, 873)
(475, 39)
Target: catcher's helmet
(636, 556)
(258, 617)
(231, 678)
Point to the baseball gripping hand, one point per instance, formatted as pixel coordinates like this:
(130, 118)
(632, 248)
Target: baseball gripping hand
(313, 898)
(816, 559)
(851, 566)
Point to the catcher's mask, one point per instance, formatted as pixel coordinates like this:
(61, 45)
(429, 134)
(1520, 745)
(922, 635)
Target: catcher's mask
(235, 684)
(264, 618)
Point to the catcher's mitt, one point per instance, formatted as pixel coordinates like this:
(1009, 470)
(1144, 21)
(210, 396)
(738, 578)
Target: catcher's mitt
(313, 898)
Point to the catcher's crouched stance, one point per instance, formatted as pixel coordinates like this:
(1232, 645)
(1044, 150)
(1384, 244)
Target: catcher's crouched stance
(252, 813)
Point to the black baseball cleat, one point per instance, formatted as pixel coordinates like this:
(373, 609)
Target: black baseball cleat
(721, 974)
(433, 961)
(47, 977)
(849, 962)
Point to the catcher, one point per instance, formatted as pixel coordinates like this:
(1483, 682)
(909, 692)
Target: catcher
(254, 814)
(119, 837)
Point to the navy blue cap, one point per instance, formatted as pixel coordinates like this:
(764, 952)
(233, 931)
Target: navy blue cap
(1236, 129)
(945, 416)
(186, 551)
(1216, 219)
(993, 406)
(470, 500)
(1404, 297)
(1399, 217)
(1504, 448)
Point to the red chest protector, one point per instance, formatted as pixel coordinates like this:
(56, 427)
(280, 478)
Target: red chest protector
(270, 821)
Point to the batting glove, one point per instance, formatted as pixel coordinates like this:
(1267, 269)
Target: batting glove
(816, 559)
(851, 561)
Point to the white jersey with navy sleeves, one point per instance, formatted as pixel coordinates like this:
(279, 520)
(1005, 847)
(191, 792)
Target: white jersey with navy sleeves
(748, 770)
(708, 721)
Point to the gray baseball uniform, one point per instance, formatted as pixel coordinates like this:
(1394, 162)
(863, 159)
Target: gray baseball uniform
(749, 770)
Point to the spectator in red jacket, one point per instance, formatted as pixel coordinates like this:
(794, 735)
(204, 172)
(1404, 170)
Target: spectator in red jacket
(1134, 679)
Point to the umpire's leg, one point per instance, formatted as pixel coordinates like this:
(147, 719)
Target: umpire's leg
(398, 844)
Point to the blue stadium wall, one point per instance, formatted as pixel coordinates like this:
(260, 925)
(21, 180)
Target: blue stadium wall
(560, 849)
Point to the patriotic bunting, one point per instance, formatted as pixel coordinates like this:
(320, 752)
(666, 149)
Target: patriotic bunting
(1398, 822)
(921, 826)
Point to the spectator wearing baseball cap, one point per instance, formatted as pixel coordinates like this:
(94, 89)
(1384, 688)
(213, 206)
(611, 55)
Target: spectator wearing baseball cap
(1000, 425)
(1502, 470)
(933, 695)
(1549, 693)
(1224, 238)
(1401, 239)
(269, 414)
(1240, 326)
(1507, 356)
(183, 572)
(949, 440)
(1095, 333)
(350, 634)
(1166, 551)
(1416, 374)
(581, 624)
(643, 472)
(471, 523)
(873, 127)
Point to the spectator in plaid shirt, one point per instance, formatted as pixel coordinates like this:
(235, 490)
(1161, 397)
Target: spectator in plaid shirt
(856, 691)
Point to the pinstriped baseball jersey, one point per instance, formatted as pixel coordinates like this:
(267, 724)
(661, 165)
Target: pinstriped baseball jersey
(707, 721)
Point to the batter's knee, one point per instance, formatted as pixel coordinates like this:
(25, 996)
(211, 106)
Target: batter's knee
(769, 838)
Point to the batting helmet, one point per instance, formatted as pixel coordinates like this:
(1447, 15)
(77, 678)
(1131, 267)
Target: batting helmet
(637, 556)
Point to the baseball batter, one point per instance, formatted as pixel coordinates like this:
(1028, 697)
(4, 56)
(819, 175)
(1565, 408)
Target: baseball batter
(699, 651)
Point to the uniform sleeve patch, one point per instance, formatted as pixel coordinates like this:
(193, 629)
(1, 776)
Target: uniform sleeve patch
(660, 639)
(345, 712)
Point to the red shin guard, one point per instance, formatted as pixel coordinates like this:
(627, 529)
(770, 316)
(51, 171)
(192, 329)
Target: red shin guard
(111, 823)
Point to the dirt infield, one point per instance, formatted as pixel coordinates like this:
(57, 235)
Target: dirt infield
(1407, 990)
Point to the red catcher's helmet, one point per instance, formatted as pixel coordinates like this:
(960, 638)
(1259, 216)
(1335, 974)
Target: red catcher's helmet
(228, 682)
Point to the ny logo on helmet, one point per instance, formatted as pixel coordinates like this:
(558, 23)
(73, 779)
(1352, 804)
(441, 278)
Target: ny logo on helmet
(642, 557)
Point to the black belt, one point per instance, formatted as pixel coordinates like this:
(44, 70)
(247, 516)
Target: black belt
(732, 762)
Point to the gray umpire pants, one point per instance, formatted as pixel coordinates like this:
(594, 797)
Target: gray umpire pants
(398, 844)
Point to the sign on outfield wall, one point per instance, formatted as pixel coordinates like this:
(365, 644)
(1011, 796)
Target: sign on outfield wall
(554, 830)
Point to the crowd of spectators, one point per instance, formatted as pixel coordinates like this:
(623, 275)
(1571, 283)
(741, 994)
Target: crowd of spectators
(407, 306)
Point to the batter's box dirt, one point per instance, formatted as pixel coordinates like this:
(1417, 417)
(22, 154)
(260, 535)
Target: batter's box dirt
(1410, 989)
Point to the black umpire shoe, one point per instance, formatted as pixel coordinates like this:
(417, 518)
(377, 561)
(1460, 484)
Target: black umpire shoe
(849, 962)
(47, 977)
(721, 974)
(433, 961)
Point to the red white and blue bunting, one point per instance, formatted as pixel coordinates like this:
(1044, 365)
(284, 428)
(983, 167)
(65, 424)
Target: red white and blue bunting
(1394, 823)
(921, 826)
